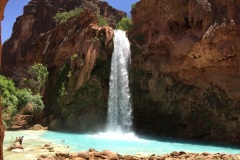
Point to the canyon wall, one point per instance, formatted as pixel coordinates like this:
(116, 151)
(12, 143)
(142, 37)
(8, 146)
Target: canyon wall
(2, 7)
(185, 65)
(38, 18)
(186, 68)
(77, 54)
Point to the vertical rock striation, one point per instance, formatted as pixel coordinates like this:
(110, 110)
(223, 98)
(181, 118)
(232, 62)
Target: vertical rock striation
(77, 53)
(2, 7)
(37, 19)
(186, 68)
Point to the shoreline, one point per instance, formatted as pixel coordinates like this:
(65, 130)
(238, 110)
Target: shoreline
(36, 147)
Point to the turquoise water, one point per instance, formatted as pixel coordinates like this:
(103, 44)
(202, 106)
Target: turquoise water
(131, 144)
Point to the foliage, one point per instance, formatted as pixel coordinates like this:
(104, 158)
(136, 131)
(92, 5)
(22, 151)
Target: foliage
(102, 21)
(64, 16)
(88, 96)
(9, 99)
(26, 96)
(133, 5)
(13, 99)
(124, 24)
(35, 79)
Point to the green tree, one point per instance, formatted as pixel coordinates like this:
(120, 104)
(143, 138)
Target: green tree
(26, 96)
(102, 21)
(133, 5)
(9, 98)
(13, 99)
(124, 24)
(35, 78)
(64, 16)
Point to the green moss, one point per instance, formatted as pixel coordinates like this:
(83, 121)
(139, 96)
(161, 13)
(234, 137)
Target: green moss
(139, 38)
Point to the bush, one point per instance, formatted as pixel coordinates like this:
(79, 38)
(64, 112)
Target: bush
(124, 24)
(25, 96)
(64, 16)
(9, 99)
(102, 21)
(35, 78)
(133, 5)
(13, 99)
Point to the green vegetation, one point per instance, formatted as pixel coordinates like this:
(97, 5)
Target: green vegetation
(9, 98)
(27, 98)
(13, 98)
(133, 5)
(102, 21)
(35, 78)
(64, 16)
(124, 24)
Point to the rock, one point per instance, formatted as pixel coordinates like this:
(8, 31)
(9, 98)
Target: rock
(66, 155)
(109, 155)
(84, 155)
(184, 58)
(38, 127)
(106, 154)
(17, 150)
(47, 145)
(205, 154)
(26, 30)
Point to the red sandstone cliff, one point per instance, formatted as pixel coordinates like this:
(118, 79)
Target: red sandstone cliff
(76, 53)
(2, 7)
(38, 19)
(186, 64)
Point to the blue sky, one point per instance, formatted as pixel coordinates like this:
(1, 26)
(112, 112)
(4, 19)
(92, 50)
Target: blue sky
(14, 9)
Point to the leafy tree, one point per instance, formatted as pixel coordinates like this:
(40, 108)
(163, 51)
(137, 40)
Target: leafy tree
(13, 99)
(124, 24)
(26, 96)
(64, 16)
(102, 21)
(8, 92)
(133, 5)
(35, 78)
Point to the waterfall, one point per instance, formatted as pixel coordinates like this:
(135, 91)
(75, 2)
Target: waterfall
(119, 105)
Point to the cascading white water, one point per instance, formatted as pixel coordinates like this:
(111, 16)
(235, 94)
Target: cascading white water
(119, 105)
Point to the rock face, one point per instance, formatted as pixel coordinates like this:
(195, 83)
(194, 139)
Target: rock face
(186, 68)
(77, 53)
(2, 7)
(38, 18)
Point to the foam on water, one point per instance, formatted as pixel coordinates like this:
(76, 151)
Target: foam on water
(118, 135)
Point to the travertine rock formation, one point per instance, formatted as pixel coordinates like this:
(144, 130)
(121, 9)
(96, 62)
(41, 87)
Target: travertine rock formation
(76, 52)
(186, 66)
(38, 18)
(2, 7)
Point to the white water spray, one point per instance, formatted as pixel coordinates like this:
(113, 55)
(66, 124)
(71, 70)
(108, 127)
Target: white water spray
(119, 105)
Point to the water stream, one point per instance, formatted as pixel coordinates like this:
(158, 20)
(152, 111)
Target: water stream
(119, 105)
(118, 136)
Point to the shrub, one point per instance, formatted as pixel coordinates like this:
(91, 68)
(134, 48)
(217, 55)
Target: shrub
(35, 79)
(102, 21)
(26, 96)
(13, 99)
(124, 24)
(9, 99)
(64, 16)
(133, 5)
